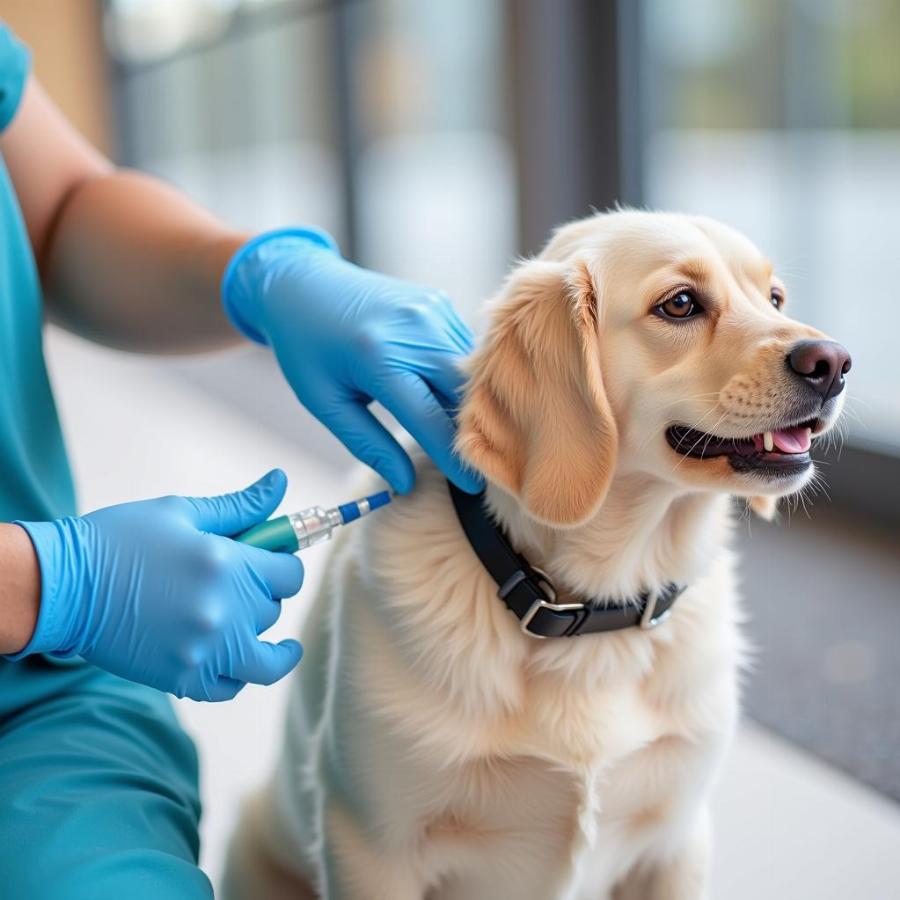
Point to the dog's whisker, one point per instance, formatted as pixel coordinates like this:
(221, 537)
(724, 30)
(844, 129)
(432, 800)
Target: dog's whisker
(852, 413)
(697, 397)
(698, 441)
(694, 427)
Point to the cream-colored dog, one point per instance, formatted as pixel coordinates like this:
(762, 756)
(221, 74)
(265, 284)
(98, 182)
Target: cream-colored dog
(635, 374)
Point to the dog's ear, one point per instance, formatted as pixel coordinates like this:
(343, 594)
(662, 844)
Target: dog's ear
(535, 418)
(764, 506)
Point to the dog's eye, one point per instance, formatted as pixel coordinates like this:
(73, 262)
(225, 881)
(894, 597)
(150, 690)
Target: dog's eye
(777, 298)
(682, 305)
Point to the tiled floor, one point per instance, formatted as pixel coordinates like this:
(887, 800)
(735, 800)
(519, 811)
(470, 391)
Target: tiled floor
(787, 825)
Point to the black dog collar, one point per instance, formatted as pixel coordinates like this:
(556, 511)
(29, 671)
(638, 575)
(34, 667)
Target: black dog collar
(530, 594)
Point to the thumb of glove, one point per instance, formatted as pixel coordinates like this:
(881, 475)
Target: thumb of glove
(229, 514)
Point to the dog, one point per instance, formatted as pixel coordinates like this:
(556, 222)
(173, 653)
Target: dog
(636, 374)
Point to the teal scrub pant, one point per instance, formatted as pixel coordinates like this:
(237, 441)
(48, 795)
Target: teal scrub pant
(98, 788)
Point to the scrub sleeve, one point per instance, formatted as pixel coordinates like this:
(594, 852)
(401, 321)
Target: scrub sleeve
(98, 782)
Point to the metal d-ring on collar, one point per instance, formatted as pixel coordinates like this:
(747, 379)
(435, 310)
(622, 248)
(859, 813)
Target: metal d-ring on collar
(530, 594)
(538, 605)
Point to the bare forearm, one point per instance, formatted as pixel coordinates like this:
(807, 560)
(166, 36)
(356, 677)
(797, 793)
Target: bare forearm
(20, 588)
(132, 263)
(125, 259)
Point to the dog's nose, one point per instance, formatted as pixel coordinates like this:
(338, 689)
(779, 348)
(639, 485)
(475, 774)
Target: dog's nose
(822, 364)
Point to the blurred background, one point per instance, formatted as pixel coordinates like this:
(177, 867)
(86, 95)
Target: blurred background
(437, 140)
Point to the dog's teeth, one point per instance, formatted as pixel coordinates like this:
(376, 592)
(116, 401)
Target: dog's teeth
(768, 442)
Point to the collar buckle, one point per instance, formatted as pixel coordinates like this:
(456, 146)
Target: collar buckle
(537, 606)
(548, 602)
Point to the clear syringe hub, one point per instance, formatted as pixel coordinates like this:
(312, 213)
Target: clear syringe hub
(297, 531)
(314, 525)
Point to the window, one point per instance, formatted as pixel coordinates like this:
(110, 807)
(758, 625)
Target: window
(380, 120)
(783, 119)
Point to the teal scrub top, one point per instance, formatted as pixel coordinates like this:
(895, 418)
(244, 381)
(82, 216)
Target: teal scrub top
(35, 480)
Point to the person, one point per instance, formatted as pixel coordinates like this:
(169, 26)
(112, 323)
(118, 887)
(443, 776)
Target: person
(102, 613)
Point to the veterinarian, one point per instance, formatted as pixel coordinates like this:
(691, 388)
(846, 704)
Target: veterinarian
(101, 614)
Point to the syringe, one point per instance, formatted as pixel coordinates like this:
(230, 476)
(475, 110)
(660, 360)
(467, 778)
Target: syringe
(297, 531)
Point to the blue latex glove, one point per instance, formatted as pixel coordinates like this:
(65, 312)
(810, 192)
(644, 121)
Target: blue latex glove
(150, 591)
(344, 337)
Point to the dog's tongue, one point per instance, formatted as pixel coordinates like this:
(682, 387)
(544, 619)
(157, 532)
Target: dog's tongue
(792, 440)
(785, 440)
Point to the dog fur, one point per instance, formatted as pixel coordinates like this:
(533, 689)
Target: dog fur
(432, 749)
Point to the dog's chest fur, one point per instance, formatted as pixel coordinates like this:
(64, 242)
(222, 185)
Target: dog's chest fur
(482, 748)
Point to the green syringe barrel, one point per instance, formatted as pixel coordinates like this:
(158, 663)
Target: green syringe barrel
(277, 535)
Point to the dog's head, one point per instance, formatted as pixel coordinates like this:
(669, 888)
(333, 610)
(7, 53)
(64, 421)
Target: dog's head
(646, 342)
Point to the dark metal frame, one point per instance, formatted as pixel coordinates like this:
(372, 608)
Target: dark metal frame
(347, 118)
(577, 104)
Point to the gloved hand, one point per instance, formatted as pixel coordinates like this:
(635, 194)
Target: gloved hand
(345, 336)
(151, 592)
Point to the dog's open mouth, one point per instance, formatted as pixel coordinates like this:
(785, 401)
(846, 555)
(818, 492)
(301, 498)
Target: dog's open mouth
(780, 453)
